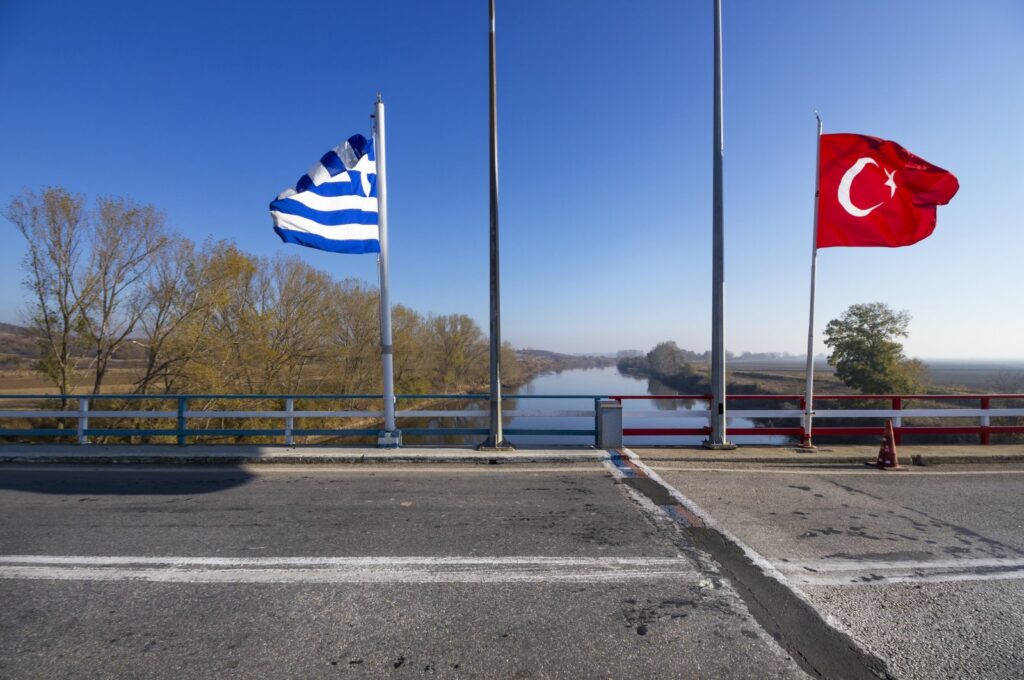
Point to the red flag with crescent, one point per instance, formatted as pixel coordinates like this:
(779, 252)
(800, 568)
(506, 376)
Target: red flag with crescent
(873, 192)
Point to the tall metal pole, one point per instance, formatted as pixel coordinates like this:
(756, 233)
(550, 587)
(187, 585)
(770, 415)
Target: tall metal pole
(390, 437)
(495, 439)
(718, 439)
(805, 440)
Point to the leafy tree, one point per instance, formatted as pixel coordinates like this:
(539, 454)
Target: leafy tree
(459, 351)
(867, 354)
(666, 359)
(181, 290)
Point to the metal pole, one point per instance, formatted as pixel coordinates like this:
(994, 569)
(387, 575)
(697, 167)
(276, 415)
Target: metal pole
(718, 439)
(495, 439)
(289, 421)
(83, 421)
(390, 437)
(806, 441)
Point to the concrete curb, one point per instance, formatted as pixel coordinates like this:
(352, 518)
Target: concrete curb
(853, 454)
(273, 455)
(73, 455)
(811, 460)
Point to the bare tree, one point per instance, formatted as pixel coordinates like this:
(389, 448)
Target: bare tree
(55, 229)
(126, 239)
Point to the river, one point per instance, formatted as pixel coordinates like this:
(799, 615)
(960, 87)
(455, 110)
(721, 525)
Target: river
(592, 382)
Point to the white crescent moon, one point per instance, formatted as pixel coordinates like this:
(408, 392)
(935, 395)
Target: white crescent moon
(844, 188)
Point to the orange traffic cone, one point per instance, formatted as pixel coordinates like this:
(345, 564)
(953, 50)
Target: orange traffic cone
(887, 459)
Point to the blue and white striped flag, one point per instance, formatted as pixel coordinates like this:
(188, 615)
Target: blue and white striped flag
(333, 206)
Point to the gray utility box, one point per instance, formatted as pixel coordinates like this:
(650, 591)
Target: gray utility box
(609, 424)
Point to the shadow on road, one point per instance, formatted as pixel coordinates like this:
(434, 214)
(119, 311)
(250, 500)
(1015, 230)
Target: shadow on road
(166, 481)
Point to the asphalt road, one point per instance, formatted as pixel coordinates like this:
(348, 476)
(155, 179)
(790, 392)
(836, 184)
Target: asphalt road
(359, 571)
(925, 567)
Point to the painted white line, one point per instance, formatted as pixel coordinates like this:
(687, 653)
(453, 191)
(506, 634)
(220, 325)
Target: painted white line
(876, 579)
(367, 576)
(856, 565)
(351, 562)
(854, 573)
(515, 569)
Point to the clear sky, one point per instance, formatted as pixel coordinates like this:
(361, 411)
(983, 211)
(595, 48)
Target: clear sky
(209, 109)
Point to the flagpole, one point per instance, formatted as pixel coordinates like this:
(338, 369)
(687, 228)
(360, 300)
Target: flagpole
(390, 436)
(495, 438)
(718, 438)
(806, 441)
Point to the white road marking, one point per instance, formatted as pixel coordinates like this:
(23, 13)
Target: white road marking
(514, 569)
(855, 573)
(855, 565)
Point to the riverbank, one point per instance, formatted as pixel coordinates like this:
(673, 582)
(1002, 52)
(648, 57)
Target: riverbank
(753, 380)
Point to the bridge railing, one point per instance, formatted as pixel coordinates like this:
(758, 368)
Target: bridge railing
(969, 421)
(78, 419)
(185, 417)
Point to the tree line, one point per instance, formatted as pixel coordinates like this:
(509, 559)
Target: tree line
(865, 352)
(110, 282)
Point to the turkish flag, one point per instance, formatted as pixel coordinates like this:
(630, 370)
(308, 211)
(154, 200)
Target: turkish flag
(873, 192)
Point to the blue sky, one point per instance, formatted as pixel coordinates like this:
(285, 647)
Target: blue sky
(208, 110)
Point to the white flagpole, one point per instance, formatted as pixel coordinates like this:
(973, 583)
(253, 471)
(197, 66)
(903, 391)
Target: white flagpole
(390, 437)
(809, 389)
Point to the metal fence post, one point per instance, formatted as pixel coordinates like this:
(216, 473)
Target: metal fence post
(805, 426)
(289, 421)
(182, 421)
(83, 421)
(986, 420)
(897, 422)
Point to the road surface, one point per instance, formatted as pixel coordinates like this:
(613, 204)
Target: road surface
(358, 571)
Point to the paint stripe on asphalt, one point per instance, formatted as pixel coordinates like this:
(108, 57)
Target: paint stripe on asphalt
(346, 569)
(856, 573)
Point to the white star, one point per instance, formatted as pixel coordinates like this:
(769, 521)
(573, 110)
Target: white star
(890, 182)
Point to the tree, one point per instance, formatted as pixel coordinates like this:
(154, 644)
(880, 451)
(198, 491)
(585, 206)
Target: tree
(125, 241)
(55, 226)
(354, 333)
(866, 353)
(666, 359)
(182, 290)
(410, 335)
(458, 349)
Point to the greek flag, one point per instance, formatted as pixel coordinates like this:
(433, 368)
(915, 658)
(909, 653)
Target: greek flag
(333, 206)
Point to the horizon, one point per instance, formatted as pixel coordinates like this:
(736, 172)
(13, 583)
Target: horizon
(606, 204)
